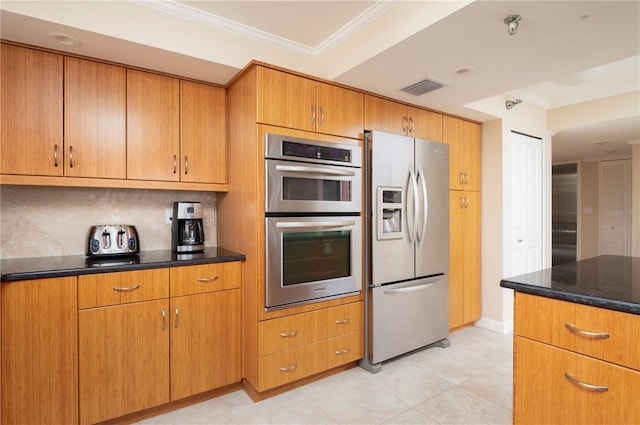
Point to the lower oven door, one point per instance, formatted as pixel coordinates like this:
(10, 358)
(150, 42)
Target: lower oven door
(311, 259)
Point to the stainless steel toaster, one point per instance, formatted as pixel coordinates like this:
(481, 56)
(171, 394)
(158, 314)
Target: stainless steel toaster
(112, 239)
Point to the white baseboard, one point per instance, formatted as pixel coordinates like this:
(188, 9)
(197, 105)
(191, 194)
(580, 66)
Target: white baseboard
(495, 325)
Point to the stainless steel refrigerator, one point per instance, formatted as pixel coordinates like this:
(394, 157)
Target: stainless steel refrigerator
(406, 245)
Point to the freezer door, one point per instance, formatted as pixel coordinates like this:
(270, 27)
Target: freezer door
(392, 211)
(407, 316)
(432, 175)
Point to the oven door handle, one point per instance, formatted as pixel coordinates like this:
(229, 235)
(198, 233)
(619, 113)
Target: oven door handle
(314, 170)
(309, 224)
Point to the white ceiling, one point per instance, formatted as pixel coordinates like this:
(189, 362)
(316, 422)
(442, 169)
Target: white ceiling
(381, 46)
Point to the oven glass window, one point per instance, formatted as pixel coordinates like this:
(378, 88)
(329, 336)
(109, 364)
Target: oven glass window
(313, 256)
(300, 189)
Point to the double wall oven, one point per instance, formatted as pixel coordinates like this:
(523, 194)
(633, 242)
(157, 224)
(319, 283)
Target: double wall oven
(313, 227)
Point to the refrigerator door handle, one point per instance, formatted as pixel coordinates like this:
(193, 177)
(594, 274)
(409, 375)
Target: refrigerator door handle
(425, 204)
(411, 229)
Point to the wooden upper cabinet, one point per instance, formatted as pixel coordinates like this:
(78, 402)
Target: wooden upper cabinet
(203, 145)
(291, 101)
(31, 112)
(398, 118)
(153, 127)
(95, 119)
(464, 139)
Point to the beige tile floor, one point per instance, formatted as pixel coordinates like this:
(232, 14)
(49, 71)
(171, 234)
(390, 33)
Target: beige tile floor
(468, 383)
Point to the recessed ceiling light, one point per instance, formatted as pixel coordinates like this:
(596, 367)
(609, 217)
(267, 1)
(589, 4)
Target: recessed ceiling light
(601, 143)
(463, 71)
(64, 39)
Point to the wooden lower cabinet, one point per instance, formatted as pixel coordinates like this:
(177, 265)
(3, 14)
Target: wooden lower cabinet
(123, 358)
(39, 352)
(301, 345)
(544, 393)
(205, 342)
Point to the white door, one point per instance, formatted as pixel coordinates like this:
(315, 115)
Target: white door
(526, 203)
(615, 207)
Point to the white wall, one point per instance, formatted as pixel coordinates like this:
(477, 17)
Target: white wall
(53, 221)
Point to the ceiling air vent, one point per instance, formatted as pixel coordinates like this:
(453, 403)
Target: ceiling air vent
(422, 87)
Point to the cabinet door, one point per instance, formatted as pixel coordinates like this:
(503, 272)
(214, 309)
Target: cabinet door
(339, 111)
(543, 394)
(452, 135)
(124, 359)
(205, 342)
(471, 158)
(203, 145)
(464, 258)
(153, 127)
(286, 100)
(425, 124)
(39, 352)
(95, 119)
(385, 115)
(30, 112)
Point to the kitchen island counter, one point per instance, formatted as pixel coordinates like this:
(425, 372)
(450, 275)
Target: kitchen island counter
(74, 265)
(608, 281)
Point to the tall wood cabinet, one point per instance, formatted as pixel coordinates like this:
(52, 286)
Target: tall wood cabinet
(398, 118)
(563, 374)
(292, 101)
(31, 138)
(464, 140)
(39, 352)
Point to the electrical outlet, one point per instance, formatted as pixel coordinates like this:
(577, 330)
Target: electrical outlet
(168, 215)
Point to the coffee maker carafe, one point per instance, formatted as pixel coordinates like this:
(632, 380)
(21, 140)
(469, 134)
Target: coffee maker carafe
(187, 234)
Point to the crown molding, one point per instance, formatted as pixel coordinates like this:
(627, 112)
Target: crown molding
(223, 24)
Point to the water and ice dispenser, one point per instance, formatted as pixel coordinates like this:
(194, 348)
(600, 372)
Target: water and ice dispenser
(390, 206)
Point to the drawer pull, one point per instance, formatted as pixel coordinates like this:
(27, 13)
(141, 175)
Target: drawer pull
(207, 279)
(289, 334)
(126, 289)
(595, 335)
(343, 322)
(290, 368)
(575, 381)
(345, 351)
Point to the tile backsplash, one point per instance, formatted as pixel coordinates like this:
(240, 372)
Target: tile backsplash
(51, 221)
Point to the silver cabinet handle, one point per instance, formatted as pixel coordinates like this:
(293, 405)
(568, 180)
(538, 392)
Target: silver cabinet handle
(466, 178)
(177, 321)
(340, 353)
(461, 177)
(344, 321)
(594, 335)
(321, 115)
(289, 334)
(314, 170)
(186, 165)
(405, 124)
(55, 155)
(313, 114)
(126, 289)
(584, 385)
(289, 368)
(207, 279)
(175, 164)
(70, 156)
(410, 125)
(164, 320)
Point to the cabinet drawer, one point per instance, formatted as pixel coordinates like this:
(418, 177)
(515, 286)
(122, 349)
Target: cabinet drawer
(294, 331)
(290, 365)
(105, 289)
(597, 332)
(544, 395)
(190, 280)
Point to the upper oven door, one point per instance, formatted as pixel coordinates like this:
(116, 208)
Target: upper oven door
(301, 187)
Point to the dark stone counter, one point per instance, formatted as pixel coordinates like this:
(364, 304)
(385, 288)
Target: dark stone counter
(73, 265)
(608, 281)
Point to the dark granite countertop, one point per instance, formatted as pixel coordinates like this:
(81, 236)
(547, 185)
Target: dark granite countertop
(73, 265)
(607, 281)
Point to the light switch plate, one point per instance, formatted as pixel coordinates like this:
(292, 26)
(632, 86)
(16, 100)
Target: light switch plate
(168, 215)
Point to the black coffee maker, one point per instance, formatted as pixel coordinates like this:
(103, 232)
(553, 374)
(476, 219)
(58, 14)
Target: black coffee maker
(187, 233)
